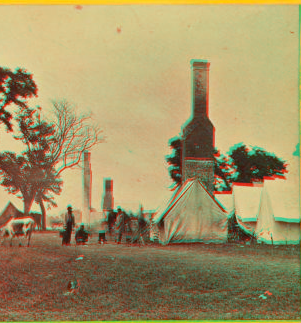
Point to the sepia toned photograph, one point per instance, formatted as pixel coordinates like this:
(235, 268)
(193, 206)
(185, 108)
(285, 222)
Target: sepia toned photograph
(149, 162)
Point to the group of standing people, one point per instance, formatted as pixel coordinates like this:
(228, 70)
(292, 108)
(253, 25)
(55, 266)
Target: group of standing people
(118, 222)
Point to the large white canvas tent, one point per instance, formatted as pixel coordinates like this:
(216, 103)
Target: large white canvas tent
(270, 211)
(246, 201)
(225, 199)
(192, 215)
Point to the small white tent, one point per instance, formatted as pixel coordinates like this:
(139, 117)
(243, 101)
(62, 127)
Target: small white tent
(278, 215)
(192, 215)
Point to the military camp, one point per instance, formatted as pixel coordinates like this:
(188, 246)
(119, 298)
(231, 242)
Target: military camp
(149, 162)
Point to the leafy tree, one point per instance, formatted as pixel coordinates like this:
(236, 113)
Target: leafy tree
(22, 176)
(224, 172)
(18, 177)
(29, 174)
(175, 161)
(244, 165)
(38, 136)
(254, 163)
(15, 88)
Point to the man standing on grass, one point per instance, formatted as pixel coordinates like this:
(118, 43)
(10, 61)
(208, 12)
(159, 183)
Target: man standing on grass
(70, 223)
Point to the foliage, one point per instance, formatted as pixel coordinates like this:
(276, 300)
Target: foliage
(29, 175)
(175, 161)
(243, 165)
(17, 176)
(38, 136)
(15, 88)
(224, 172)
(254, 163)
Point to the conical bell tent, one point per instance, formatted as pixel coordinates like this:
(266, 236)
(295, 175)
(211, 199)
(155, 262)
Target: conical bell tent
(192, 215)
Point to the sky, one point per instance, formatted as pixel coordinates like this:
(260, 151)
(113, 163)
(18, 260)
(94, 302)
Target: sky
(130, 67)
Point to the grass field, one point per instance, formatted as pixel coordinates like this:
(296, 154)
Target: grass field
(120, 282)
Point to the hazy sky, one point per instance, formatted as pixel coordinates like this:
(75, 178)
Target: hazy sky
(130, 66)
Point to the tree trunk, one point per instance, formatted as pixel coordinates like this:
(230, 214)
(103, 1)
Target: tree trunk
(43, 216)
(27, 205)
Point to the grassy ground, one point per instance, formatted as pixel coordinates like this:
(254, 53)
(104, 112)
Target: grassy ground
(119, 282)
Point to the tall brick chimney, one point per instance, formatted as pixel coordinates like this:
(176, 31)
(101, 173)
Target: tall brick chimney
(108, 199)
(200, 87)
(198, 134)
(87, 179)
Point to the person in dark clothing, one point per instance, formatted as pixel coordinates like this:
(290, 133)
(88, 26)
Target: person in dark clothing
(70, 223)
(120, 224)
(111, 221)
(81, 235)
(123, 225)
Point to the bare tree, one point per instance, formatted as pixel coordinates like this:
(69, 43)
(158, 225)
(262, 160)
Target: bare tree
(74, 133)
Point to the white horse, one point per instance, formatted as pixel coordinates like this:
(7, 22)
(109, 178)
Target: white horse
(18, 227)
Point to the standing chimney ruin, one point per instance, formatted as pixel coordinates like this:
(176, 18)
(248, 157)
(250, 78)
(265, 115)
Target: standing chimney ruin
(87, 178)
(108, 199)
(198, 134)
